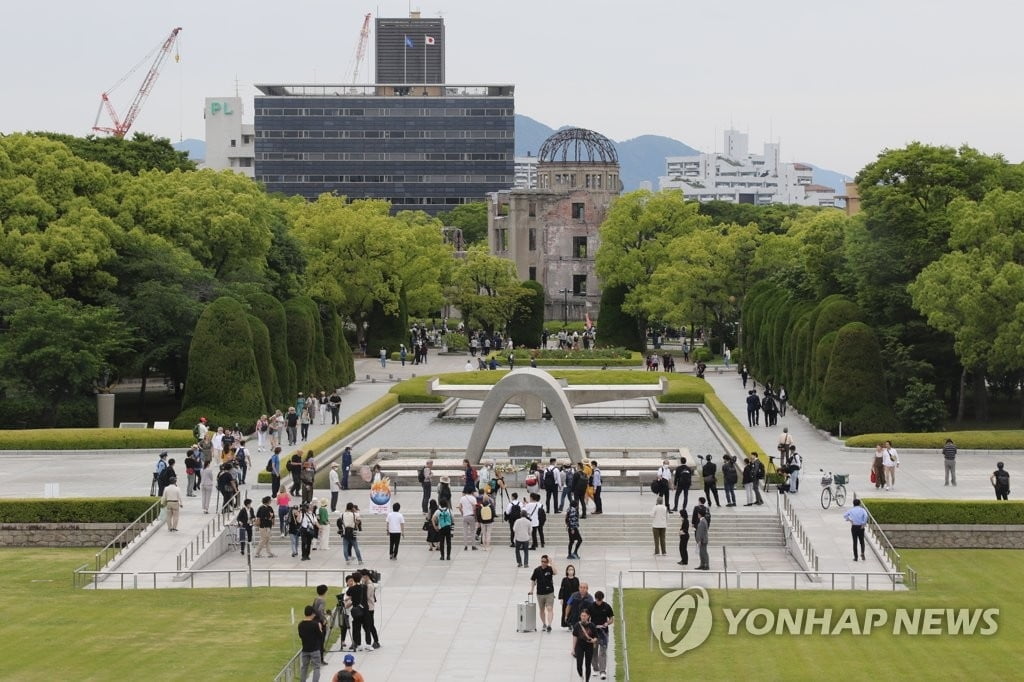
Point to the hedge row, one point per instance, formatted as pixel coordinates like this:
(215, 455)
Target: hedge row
(337, 433)
(733, 426)
(74, 510)
(94, 439)
(827, 358)
(967, 440)
(562, 354)
(927, 512)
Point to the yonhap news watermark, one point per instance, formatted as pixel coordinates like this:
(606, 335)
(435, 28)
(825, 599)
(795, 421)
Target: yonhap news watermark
(682, 620)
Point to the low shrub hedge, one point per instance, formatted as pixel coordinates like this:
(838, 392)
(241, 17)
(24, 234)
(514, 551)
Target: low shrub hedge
(94, 439)
(927, 512)
(560, 354)
(733, 426)
(967, 440)
(335, 434)
(74, 510)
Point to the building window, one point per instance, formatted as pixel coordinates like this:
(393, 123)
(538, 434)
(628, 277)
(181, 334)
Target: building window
(533, 273)
(501, 238)
(577, 211)
(533, 238)
(232, 143)
(579, 247)
(579, 285)
(532, 209)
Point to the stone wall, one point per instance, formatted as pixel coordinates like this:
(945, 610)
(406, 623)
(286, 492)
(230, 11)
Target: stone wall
(955, 536)
(58, 534)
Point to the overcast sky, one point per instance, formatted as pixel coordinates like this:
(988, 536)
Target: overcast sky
(834, 82)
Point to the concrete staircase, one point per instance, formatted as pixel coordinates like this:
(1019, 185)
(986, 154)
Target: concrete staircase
(733, 527)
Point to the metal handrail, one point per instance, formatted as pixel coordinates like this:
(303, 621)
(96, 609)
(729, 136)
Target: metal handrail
(210, 532)
(788, 515)
(809, 575)
(127, 536)
(292, 669)
(130, 579)
(894, 557)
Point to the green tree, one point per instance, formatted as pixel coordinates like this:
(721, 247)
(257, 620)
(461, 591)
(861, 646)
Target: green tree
(57, 348)
(486, 290)
(634, 243)
(142, 152)
(470, 218)
(617, 328)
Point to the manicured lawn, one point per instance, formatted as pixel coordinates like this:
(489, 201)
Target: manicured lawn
(947, 579)
(52, 631)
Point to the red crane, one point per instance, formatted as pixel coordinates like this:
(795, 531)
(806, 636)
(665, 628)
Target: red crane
(364, 37)
(120, 127)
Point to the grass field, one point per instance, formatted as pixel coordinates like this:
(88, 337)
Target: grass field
(52, 631)
(948, 579)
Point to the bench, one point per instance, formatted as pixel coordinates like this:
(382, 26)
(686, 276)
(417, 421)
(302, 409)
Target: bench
(133, 425)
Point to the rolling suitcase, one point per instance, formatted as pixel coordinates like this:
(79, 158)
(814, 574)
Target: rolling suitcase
(526, 615)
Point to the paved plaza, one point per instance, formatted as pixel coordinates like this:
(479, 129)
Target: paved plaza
(456, 620)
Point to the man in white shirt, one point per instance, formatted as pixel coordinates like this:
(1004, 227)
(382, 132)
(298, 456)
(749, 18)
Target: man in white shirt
(664, 481)
(396, 528)
(890, 460)
(531, 511)
(521, 537)
(595, 478)
(335, 482)
(467, 505)
(172, 500)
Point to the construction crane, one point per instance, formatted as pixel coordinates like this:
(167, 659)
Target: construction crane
(120, 127)
(364, 38)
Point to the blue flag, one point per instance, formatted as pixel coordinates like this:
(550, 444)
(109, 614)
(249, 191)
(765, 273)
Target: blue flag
(408, 41)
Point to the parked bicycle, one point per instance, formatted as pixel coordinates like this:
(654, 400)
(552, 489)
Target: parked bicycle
(833, 487)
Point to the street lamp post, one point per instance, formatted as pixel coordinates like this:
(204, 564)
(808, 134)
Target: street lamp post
(565, 306)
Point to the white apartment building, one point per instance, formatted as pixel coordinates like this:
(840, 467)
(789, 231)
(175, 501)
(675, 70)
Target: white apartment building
(526, 172)
(229, 141)
(738, 176)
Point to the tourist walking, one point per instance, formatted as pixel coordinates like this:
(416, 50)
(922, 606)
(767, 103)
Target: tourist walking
(323, 519)
(442, 521)
(858, 518)
(349, 523)
(467, 506)
(572, 526)
(521, 532)
(603, 618)
(878, 467)
(542, 581)
(569, 586)
(172, 501)
(890, 461)
(396, 529)
(684, 538)
(425, 477)
(311, 634)
(659, 522)
(949, 461)
(334, 483)
(264, 526)
(1000, 480)
(702, 541)
(584, 637)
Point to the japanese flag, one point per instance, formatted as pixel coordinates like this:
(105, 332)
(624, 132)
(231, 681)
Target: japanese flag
(429, 40)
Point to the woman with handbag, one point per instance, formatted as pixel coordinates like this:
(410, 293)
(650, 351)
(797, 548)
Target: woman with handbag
(433, 537)
(356, 595)
(307, 530)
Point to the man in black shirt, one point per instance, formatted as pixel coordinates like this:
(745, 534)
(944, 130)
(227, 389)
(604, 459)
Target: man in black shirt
(245, 517)
(698, 509)
(602, 616)
(710, 484)
(264, 523)
(543, 582)
(683, 478)
(311, 634)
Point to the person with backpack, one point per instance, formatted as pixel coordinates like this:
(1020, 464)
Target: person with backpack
(580, 482)
(242, 460)
(1000, 480)
(348, 673)
(469, 477)
(512, 513)
(485, 517)
(307, 476)
(442, 521)
(348, 524)
(551, 485)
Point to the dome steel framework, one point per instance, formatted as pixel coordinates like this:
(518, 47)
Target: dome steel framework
(578, 145)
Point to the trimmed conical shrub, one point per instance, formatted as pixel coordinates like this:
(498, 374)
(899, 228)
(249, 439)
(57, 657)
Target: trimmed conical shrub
(270, 311)
(264, 359)
(854, 388)
(223, 381)
(526, 327)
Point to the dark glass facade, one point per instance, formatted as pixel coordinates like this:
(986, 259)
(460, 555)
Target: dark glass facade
(419, 152)
(410, 50)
